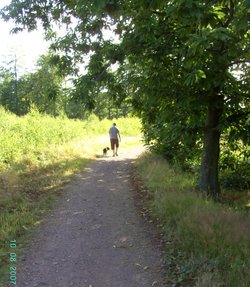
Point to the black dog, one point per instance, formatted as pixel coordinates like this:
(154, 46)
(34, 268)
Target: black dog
(105, 151)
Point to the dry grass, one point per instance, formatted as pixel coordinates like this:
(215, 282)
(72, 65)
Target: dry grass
(208, 243)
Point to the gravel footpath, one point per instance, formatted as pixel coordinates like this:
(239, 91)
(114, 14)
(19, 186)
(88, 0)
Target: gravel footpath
(95, 236)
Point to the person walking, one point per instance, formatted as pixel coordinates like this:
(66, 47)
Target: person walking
(115, 136)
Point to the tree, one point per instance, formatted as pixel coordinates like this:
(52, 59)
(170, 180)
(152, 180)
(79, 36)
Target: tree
(9, 94)
(42, 88)
(177, 60)
(45, 87)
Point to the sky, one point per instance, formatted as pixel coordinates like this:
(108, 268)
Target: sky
(26, 46)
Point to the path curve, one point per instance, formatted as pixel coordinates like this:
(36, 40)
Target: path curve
(95, 236)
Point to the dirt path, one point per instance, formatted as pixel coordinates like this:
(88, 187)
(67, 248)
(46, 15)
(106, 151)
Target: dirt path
(95, 236)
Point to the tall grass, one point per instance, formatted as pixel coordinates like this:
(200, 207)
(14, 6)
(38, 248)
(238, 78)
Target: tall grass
(27, 137)
(38, 154)
(207, 244)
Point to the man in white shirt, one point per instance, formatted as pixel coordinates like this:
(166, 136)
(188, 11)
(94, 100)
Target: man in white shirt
(114, 135)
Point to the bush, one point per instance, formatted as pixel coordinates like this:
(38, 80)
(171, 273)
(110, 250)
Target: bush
(238, 178)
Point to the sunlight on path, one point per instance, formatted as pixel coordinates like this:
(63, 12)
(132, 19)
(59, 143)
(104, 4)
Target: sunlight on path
(125, 153)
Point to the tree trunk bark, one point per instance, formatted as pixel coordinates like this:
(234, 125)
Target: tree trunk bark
(209, 179)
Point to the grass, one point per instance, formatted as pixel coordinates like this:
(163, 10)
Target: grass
(38, 155)
(207, 244)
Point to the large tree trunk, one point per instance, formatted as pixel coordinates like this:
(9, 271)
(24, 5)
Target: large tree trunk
(209, 181)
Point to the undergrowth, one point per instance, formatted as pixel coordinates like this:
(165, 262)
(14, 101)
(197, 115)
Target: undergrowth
(207, 244)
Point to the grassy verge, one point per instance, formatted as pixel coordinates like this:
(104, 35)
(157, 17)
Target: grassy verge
(38, 155)
(207, 244)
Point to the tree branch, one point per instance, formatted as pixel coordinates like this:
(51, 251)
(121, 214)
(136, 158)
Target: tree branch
(237, 117)
(231, 14)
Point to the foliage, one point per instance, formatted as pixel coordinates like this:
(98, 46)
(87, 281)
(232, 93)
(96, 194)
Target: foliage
(27, 137)
(42, 88)
(207, 244)
(234, 165)
(102, 106)
(53, 94)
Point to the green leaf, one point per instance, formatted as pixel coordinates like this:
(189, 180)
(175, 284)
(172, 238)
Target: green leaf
(218, 12)
(247, 3)
(201, 74)
(242, 23)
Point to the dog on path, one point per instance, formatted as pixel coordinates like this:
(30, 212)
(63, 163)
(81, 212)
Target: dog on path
(105, 151)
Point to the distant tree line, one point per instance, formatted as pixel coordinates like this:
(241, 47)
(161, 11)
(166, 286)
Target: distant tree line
(47, 90)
